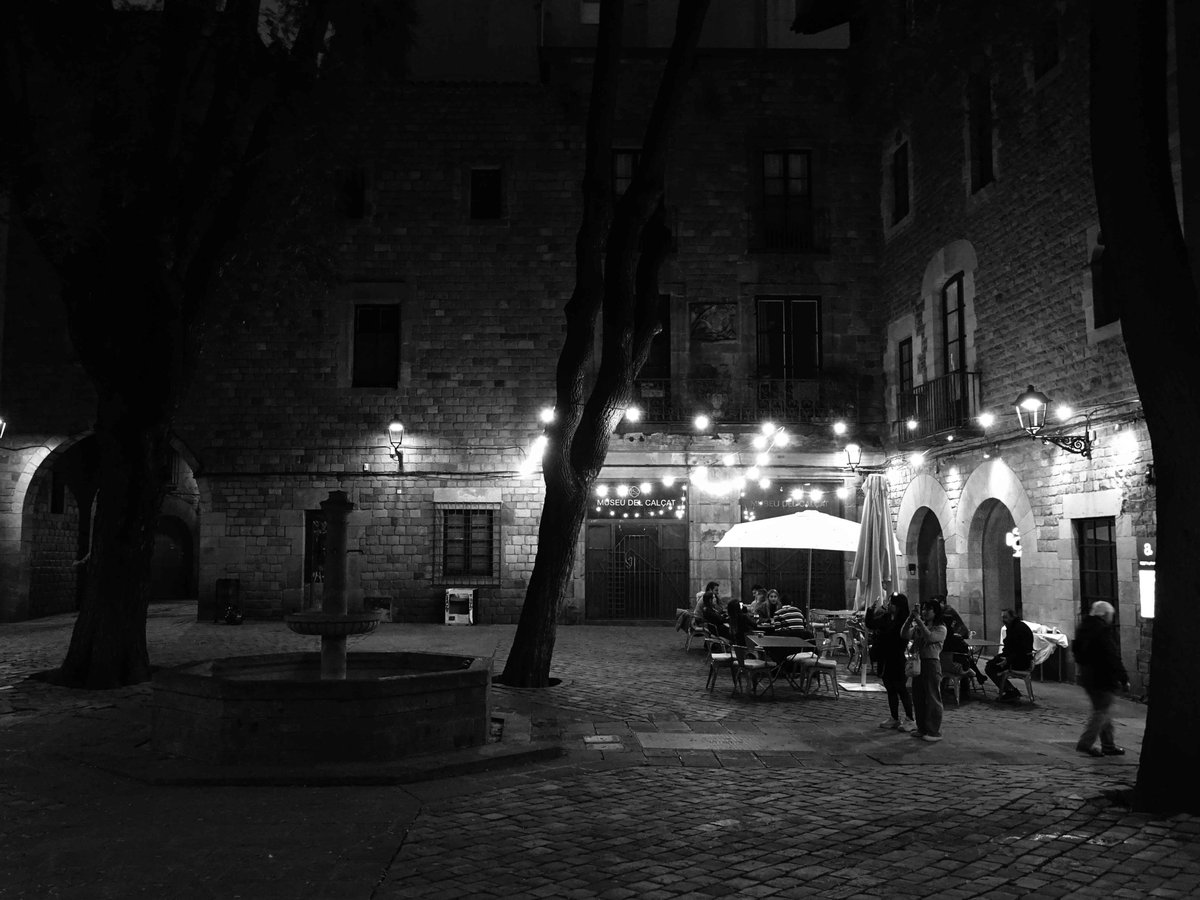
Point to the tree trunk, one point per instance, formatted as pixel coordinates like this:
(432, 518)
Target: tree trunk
(618, 255)
(529, 658)
(108, 645)
(1160, 320)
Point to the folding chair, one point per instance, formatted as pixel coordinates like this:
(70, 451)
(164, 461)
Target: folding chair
(1025, 674)
(753, 663)
(822, 669)
(721, 657)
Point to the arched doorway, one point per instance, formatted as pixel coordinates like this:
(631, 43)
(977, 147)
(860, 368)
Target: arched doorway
(1001, 570)
(931, 556)
(171, 564)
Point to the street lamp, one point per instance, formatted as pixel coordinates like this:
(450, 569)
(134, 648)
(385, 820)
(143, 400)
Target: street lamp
(396, 439)
(1031, 409)
(853, 456)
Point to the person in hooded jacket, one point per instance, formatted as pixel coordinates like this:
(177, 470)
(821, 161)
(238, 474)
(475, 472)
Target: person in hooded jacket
(1102, 674)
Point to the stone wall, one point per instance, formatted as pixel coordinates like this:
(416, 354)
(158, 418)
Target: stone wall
(1027, 238)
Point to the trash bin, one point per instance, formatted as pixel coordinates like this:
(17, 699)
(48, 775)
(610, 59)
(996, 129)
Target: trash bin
(228, 605)
(460, 606)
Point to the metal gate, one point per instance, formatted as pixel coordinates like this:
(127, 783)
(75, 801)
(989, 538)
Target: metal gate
(787, 572)
(635, 570)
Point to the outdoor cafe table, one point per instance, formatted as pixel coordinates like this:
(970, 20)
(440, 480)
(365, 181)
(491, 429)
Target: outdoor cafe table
(779, 647)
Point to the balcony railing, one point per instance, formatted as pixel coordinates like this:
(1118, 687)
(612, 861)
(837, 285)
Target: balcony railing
(747, 401)
(807, 231)
(938, 406)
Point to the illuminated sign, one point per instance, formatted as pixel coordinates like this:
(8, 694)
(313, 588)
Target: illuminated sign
(638, 500)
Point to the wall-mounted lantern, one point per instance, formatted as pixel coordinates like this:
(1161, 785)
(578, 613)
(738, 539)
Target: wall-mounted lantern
(396, 439)
(853, 456)
(1031, 409)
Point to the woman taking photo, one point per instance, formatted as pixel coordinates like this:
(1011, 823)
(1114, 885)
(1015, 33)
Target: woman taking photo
(928, 633)
(891, 643)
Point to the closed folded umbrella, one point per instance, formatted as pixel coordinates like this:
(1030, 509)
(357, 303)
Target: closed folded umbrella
(875, 555)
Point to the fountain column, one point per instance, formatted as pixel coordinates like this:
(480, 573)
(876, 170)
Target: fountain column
(334, 623)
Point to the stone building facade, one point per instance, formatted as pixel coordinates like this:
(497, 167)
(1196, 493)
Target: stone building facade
(937, 251)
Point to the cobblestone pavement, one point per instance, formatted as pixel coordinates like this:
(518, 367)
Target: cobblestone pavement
(662, 790)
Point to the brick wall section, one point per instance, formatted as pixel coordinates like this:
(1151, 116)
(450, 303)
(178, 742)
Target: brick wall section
(275, 425)
(54, 550)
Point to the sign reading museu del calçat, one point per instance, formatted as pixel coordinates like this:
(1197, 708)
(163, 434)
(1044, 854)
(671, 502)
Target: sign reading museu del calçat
(638, 500)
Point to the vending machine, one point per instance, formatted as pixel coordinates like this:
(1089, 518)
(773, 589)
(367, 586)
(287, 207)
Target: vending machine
(460, 606)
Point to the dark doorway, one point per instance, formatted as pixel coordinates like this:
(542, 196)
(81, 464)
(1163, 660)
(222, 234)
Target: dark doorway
(1001, 569)
(171, 564)
(636, 570)
(931, 558)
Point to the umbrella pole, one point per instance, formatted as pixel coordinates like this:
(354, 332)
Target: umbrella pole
(808, 588)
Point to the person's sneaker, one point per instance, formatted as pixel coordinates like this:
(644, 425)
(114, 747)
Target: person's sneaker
(1113, 751)
(890, 723)
(1090, 751)
(918, 734)
(932, 738)
(906, 725)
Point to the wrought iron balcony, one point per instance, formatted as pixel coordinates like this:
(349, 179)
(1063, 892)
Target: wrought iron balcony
(937, 407)
(747, 401)
(806, 231)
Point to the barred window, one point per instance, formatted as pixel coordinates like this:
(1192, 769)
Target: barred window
(467, 543)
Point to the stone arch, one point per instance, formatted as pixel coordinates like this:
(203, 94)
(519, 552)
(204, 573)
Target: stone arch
(20, 517)
(923, 497)
(993, 479)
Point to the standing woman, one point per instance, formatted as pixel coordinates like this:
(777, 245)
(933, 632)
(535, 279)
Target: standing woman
(891, 643)
(928, 634)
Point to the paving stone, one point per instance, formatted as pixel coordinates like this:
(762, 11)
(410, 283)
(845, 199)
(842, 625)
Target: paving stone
(834, 820)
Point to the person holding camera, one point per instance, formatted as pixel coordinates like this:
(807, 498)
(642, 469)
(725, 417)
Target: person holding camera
(928, 633)
(891, 642)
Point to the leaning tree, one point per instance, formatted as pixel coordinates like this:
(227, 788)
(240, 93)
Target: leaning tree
(619, 248)
(1147, 259)
(134, 140)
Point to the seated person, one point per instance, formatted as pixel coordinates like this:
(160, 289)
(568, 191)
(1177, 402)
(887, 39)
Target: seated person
(774, 602)
(790, 621)
(955, 647)
(954, 622)
(741, 623)
(712, 614)
(758, 602)
(1017, 653)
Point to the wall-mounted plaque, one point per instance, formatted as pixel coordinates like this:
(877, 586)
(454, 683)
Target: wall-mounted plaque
(714, 321)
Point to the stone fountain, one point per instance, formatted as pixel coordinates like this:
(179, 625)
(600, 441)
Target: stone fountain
(334, 623)
(302, 708)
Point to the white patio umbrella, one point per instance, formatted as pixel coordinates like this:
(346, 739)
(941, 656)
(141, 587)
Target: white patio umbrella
(806, 530)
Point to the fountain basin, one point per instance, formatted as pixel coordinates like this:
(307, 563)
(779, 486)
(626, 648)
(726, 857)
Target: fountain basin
(334, 624)
(276, 710)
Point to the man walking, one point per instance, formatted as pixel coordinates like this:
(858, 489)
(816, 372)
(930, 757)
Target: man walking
(1017, 653)
(1101, 673)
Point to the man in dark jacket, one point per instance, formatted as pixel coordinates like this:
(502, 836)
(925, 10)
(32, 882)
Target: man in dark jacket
(1101, 673)
(1017, 653)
